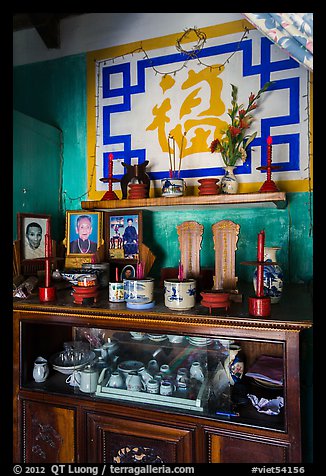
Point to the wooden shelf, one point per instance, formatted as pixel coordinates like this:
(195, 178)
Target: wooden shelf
(256, 199)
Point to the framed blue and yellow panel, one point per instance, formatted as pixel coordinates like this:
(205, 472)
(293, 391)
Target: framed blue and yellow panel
(139, 94)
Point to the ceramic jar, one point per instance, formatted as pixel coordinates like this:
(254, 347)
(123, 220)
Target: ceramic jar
(138, 291)
(173, 187)
(273, 275)
(179, 295)
(229, 182)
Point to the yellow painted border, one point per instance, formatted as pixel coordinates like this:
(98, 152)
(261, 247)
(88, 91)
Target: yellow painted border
(152, 44)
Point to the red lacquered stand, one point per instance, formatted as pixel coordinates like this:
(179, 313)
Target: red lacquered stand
(269, 185)
(259, 305)
(85, 292)
(215, 299)
(208, 186)
(138, 190)
(110, 194)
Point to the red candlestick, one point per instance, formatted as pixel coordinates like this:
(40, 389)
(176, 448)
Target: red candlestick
(269, 157)
(260, 267)
(110, 170)
(47, 261)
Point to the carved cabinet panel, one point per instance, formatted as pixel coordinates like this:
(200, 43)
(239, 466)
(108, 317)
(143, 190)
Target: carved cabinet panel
(48, 433)
(234, 449)
(120, 440)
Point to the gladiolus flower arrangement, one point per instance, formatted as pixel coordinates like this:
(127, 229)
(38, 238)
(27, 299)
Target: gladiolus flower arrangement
(232, 146)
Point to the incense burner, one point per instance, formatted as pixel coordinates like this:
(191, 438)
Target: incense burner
(173, 187)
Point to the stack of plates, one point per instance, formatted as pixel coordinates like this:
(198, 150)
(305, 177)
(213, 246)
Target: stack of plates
(157, 337)
(199, 341)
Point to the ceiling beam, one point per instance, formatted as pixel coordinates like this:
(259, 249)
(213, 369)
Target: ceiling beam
(48, 27)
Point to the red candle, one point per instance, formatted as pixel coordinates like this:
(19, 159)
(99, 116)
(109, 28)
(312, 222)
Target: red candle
(47, 260)
(110, 165)
(260, 267)
(269, 157)
(117, 275)
(260, 247)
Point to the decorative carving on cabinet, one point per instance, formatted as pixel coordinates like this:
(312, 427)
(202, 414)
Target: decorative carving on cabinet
(120, 440)
(190, 237)
(225, 236)
(48, 433)
(137, 454)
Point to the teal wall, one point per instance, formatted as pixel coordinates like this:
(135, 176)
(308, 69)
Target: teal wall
(36, 169)
(55, 92)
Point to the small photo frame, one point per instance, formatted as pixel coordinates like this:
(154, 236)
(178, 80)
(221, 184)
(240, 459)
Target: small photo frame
(83, 232)
(123, 235)
(31, 230)
(128, 272)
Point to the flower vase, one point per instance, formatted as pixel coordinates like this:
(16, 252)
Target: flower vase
(229, 183)
(273, 275)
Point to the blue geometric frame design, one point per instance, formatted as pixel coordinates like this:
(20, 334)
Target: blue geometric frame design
(264, 70)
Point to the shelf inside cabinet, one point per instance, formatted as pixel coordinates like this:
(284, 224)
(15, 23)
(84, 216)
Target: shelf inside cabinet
(256, 199)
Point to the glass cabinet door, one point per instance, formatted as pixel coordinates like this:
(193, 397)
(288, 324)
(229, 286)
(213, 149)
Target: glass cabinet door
(239, 379)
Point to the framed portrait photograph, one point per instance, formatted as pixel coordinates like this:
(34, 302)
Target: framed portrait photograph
(83, 232)
(123, 235)
(31, 230)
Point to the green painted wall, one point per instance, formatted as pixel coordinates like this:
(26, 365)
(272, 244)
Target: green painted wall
(36, 168)
(55, 92)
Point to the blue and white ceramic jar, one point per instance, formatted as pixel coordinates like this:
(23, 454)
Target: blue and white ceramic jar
(229, 183)
(138, 291)
(273, 275)
(180, 295)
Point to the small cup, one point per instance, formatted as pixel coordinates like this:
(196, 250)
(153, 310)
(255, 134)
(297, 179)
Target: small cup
(165, 369)
(153, 386)
(134, 382)
(116, 292)
(73, 379)
(182, 379)
(166, 388)
(115, 381)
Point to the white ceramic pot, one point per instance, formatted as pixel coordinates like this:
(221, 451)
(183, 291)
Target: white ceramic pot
(172, 187)
(179, 295)
(138, 291)
(116, 292)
